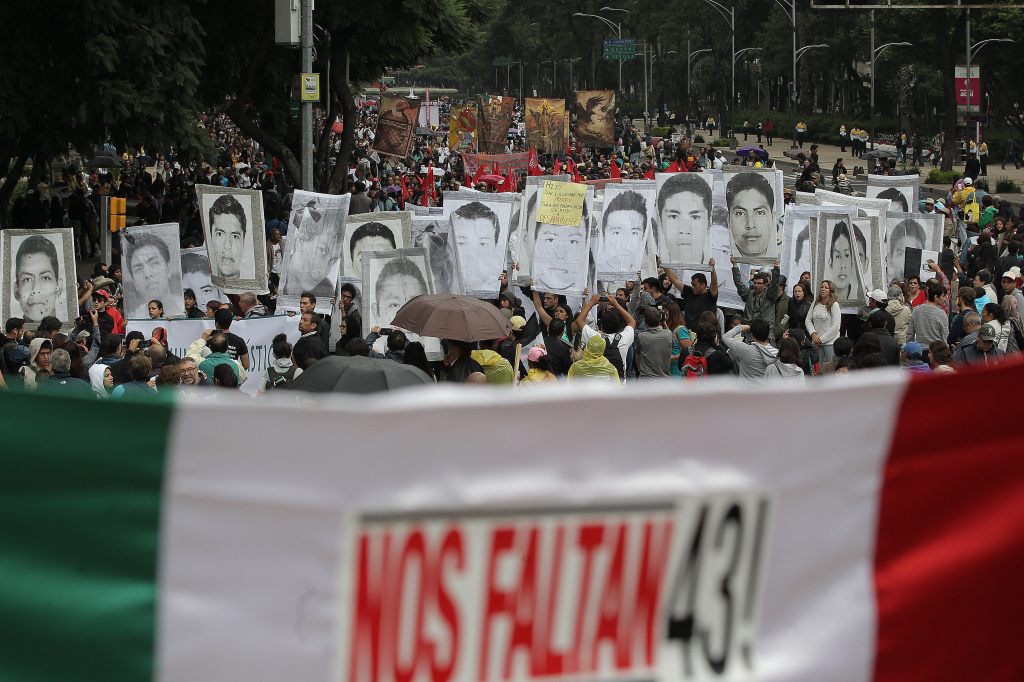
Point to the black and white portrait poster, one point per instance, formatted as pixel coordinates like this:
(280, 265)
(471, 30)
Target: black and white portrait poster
(151, 270)
(430, 232)
(561, 254)
(901, 190)
(753, 202)
(909, 231)
(312, 256)
(480, 228)
(838, 242)
(527, 219)
(384, 231)
(797, 238)
(624, 226)
(683, 219)
(195, 275)
(390, 280)
(649, 190)
(38, 275)
(235, 238)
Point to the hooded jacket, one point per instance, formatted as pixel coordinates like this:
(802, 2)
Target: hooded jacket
(593, 364)
(281, 366)
(496, 368)
(752, 358)
(96, 373)
(758, 306)
(784, 370)
(901, 313)
(32, 370)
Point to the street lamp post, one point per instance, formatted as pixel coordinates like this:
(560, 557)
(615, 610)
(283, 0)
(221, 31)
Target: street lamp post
(972, 52)
(789, 7)
(875, 52)
(689, 61)
(613, 26)
(571, 60)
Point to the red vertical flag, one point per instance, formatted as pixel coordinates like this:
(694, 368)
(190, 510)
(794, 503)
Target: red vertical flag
(533, 166)
(614, 169)
(428, 190)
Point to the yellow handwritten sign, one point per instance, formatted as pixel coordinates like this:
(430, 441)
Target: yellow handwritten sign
(561, 203)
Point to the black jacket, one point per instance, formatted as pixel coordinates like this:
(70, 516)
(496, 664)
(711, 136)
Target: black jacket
(890, 346)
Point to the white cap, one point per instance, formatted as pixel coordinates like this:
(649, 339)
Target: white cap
(878, 295)
(968, 181)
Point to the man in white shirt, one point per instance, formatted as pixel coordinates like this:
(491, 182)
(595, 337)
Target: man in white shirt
(719, 162)
(614, 321)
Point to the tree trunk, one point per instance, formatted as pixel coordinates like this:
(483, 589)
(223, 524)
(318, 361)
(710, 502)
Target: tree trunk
(339, 177)
(10, 182)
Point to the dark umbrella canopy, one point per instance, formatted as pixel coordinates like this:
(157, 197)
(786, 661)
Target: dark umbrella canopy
(446, 316)
(358, 374)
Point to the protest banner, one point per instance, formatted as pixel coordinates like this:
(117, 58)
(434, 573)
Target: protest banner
(595, 118)
(518, 162)
(495, 118)
(546, 125)
(396, 122)
(462, 129)
(561, 203)
(257, 332)
(210, 546)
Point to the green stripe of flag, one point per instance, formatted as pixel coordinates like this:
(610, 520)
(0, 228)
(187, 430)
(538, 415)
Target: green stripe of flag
(80, 488)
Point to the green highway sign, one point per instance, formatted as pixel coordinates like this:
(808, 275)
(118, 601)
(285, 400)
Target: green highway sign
(502, 61)
(621, 49)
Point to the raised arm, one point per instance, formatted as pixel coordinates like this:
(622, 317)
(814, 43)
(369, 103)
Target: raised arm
(581, 318)
(545, 319)
(630, 322)
(741, 287)
(714, 278)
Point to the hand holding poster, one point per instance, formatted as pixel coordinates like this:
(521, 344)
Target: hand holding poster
(561, 253)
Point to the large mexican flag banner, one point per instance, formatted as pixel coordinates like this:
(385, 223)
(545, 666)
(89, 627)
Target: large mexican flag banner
(861, 529)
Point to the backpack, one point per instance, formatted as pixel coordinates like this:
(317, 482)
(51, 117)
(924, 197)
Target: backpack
(611, 352)
(694, 366)
(277, 379)
(972, 209)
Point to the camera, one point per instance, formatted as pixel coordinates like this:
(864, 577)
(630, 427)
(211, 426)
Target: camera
(385, 331)
(604, 298)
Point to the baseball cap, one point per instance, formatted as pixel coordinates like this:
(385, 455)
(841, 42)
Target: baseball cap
(940, 206)
(913, 349)
(929, 200)
(879, 296)
(517, 322)
(987, 332)
(536, 353)
(1009, 275)
(968, 181)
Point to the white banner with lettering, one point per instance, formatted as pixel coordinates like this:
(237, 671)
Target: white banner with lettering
(257, 332)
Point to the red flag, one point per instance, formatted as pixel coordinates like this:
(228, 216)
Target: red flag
(533, 166)
(467, 181)
(573, 170)
(649, 175)
(615, 172)
(429, 191)
(558, 167)
(509, 184)
(479, 173)
(673, 167)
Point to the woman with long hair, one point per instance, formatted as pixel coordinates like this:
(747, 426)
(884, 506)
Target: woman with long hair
(416, 356)
(1014, 323)
(824, 320)
(680, 334)
(994, 315)
(799, 305)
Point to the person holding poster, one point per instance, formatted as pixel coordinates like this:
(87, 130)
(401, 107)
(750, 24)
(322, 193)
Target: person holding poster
(561, 239)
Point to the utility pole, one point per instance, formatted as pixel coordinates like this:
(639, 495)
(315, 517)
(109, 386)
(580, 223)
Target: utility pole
(306, 108)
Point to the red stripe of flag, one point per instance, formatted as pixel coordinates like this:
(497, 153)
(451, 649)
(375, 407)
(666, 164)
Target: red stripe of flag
(949, 554)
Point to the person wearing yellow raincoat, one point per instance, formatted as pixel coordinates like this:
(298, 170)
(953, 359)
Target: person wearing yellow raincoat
(593, 364)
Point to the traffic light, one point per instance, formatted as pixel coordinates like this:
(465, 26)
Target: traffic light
(118, 208)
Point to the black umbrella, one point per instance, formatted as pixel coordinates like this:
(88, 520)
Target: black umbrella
(358, 374)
